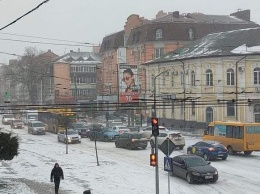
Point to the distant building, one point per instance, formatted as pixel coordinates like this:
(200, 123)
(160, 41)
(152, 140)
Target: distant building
(144, 40)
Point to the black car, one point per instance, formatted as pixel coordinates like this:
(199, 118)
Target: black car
(131, 140)
(194, 169)
(81, 128)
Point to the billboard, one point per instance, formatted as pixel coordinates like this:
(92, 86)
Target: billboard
(128, 83)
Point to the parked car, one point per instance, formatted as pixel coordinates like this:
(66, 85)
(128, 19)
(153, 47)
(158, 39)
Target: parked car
(105, 134)
(194, 169)
(81, 128)
(208, 150)
(147, 131)
(131, 140)
(7, 118)
(72, 136)
(36, 127)
(176, 138)
(120, 129)
(17, 124)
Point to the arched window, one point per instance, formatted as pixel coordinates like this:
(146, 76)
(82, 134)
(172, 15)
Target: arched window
(193, 80)
(209, 114)
(158, 34)
(257, 76)
(172, 79)
(257, 113)
(191, 34)
(230, 77)
(209, 78)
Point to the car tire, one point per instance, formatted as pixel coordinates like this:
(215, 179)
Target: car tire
(105, 138)
(224, 158)
(152, 143)
(189, 178)
(116, 145)
(247, 153)
(129, 146)
(58, 139)
(189, 152)
(144, 147)
(205, 157)
(230, 150)
(181, 147)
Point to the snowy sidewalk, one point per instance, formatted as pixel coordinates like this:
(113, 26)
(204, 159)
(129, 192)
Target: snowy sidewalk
(33, 186)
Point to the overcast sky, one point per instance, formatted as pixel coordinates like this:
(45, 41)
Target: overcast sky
(89, 21)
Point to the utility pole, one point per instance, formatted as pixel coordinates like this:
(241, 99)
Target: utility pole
(184, 95)
(237, 86)
(155, 138)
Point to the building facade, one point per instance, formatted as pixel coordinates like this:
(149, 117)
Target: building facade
(208, 80)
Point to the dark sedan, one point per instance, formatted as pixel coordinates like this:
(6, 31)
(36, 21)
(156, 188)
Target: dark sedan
(194, 169)
(81, 128)
(208, 150)
(131, 140)
(17, 124)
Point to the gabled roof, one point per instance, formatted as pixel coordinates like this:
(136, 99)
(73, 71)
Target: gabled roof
(80, 58)
(242, 41)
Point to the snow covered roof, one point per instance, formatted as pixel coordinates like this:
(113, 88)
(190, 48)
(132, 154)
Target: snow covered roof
(242, 41)
(80, 58)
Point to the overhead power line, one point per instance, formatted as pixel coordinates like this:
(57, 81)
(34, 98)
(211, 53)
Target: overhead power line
(46, 1)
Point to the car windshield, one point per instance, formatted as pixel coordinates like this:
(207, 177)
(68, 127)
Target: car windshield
(191, 161)
(174, 135)
(79, 125)
(37, 124)
(71, 132)
(122, 128)
(138, 136)
(9, 116)
(17, 121)
(108, 130)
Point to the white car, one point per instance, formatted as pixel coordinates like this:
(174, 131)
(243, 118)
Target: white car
(148, 131)
(121, 129)
(73, 136)
(176, 138)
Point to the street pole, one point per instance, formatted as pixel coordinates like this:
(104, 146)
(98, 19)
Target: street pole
(66, 137)
(155, 138)
(184, 96)
(237, 86)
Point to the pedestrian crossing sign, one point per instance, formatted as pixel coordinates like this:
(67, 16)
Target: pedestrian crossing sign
(168, 164)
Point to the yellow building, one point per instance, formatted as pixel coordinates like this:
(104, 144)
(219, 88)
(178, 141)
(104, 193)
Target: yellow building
(214, 78)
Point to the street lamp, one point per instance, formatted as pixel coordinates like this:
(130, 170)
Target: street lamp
(155, 138)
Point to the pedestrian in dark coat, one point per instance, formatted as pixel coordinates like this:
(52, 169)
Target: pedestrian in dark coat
(56, 175)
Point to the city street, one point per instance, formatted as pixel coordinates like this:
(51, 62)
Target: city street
(120, 170)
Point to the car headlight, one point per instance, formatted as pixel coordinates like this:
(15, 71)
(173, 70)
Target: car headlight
(216, 172)
(79, 136)
(68, 137)
(196, 173)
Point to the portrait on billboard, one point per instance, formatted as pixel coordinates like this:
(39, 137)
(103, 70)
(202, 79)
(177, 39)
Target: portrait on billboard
(129, 85)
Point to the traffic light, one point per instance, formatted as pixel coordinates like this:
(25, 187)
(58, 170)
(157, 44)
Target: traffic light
(153, 161)
(155, 126)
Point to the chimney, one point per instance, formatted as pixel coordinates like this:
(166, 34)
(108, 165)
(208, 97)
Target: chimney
(160, 14)
(242, 14)
(176, 14)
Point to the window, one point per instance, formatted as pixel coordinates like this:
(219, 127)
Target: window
(257, 76)
(193, 80)
(230, 77)
(209, 78)
(191, 34)
(158, 34)
(229, 133)
(193, 108)
(182, 108)
(209, 114)
(172, 79)
(172, 108)
(182, 79)
(238, 132)
(230, 109)
(163, 79)
(257, 113)
(158, 52)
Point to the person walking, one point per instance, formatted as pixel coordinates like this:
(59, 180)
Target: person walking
(56, 175)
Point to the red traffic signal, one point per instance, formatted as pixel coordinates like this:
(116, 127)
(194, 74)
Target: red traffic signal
(153, 161)
(155, 126)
